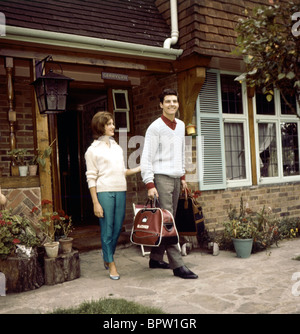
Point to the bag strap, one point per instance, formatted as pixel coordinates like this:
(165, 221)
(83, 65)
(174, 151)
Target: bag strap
(153, 203)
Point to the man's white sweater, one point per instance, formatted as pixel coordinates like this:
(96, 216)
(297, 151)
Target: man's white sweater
(105, 166)
(163, 151)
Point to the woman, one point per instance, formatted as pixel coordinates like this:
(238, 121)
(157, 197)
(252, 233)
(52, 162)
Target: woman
(107, 183)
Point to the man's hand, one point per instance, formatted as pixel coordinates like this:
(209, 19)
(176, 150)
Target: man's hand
(152, 192)
(183, 185)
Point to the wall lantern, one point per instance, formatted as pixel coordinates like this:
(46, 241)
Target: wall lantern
(51, 91)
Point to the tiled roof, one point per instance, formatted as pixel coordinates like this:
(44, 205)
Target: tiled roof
(132, 21)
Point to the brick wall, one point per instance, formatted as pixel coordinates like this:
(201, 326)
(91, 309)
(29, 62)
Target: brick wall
(23, 125)
(283, 199)
(22, 200)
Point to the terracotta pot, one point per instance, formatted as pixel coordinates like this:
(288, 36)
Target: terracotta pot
(66, 244)
(33, 170)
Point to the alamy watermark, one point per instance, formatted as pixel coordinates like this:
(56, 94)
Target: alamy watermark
(2, 284)
(136, 145)
(2, 25)
(296, 26)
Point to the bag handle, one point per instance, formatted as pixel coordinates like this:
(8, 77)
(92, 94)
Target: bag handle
(154, 203)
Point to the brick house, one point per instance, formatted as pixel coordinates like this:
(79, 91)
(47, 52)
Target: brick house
(121, 49)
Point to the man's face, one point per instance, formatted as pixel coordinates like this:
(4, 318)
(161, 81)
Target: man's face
(170, 105)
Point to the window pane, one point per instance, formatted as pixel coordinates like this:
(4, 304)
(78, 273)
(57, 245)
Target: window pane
(287, 109)
(263, 107)
(234, 151)
(231, 95)
(290, 149)
(268, 149)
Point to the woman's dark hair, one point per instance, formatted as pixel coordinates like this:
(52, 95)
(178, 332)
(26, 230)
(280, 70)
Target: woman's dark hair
(167, 91)
(99, 120)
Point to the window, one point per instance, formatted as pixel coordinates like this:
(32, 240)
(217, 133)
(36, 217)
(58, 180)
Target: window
(235, 133)
(224, 136)
(121, 109)
(234, 151)
(277, 138)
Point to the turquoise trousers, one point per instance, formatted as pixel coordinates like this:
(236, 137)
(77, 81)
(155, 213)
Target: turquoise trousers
(113, 204)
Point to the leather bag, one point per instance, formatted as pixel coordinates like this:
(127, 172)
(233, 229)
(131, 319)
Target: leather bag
(153, 226)
(189, 216)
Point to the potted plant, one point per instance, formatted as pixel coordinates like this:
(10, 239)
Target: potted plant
(241, 228)
(62, 234)
(48, 226)
(18, 159)
(56, 227)
(15, 231)
(191, 129)
(39, 159)
(33, 165)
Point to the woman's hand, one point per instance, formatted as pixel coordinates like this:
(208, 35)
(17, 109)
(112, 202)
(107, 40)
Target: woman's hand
(132, 171)
(98, 210)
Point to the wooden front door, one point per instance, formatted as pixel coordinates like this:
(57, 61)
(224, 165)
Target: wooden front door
(74, 136)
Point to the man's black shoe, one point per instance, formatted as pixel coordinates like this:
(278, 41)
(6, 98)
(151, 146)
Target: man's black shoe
(184, 272)
(158, 264)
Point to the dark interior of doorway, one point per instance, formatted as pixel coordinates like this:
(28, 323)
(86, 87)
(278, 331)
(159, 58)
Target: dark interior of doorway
(74, 137)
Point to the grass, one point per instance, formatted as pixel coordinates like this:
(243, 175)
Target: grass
(109, 306)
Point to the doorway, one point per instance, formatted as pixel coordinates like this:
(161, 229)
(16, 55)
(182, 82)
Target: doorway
(74, 137)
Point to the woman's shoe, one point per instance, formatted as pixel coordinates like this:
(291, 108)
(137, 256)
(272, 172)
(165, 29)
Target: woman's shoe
(114, 277)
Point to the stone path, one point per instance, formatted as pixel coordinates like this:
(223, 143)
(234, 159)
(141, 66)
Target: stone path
(267, 282)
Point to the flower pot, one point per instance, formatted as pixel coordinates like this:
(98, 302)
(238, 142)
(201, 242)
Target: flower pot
(14, 170)
(243, 247)
(33, 170)
(191, 129)
(23, 170)
(66, 244)
(51, 248)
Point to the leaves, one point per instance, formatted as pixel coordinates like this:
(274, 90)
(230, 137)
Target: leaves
(271, 52)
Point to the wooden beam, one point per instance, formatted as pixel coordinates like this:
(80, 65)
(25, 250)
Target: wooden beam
(42, 138)
(189, 86)
(9, 65)
(250, 95)
(90, 59)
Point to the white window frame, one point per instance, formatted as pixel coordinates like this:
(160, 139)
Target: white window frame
(278, 119)
(240, 118)
(203, 117)
(125, 110)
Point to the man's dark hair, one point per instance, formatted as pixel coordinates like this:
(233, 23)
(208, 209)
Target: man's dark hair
(167, 91)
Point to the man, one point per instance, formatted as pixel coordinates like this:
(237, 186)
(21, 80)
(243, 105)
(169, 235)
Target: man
(162, 170)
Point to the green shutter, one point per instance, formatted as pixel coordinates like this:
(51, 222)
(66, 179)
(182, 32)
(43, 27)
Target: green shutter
(210, 145)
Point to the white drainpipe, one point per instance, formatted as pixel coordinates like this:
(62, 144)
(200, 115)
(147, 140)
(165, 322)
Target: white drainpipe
(174, 25)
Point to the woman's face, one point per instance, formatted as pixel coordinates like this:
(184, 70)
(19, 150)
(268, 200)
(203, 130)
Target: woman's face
(110, 128)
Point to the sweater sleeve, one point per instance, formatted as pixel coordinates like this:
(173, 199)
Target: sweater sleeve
(91, 169)
(151, 145)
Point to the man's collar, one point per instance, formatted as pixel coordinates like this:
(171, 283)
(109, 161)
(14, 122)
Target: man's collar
(170, 124)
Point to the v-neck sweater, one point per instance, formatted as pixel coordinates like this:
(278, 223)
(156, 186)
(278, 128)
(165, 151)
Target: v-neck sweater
(163, 151)
(105, 168)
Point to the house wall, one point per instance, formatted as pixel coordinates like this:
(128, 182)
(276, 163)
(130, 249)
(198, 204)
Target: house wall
(22, 106)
